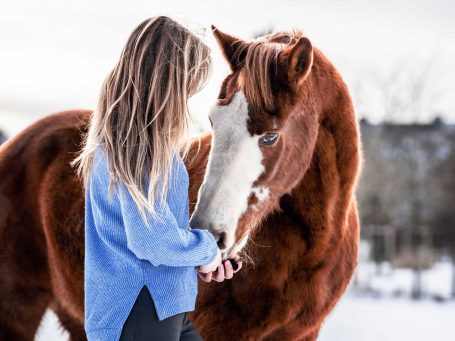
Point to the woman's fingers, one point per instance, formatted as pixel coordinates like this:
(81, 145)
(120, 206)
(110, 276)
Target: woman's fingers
(206, 277)
(224, 271)
(219, 275)
(228, 270)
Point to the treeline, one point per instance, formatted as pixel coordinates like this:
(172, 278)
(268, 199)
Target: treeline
(407, 194)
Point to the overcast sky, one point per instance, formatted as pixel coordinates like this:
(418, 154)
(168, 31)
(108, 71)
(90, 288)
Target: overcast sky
(55, 54)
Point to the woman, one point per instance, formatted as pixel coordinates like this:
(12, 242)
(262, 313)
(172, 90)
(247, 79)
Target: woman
(141, 256)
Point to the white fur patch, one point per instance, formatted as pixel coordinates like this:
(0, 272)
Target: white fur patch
(260, 192)
(234, 164)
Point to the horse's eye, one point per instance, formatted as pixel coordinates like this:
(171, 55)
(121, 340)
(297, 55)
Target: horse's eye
(211, 123)
(268, 139)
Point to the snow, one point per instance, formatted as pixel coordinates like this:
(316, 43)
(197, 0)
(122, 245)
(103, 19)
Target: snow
(358, 319)
(50, 329)
(377, 307)
(361, 318)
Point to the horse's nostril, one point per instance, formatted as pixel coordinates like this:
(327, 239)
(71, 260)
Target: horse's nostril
(221, 239)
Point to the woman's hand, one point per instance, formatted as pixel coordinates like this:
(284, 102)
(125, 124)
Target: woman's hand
(207, 268)
(222, 272)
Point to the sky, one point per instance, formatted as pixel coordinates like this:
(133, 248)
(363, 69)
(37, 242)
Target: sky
(54, 55)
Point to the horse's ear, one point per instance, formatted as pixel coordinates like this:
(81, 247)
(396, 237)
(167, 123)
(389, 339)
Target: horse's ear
(230, 47)
(300, 61)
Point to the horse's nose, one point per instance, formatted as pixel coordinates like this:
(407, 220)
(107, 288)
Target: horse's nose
(220, 239)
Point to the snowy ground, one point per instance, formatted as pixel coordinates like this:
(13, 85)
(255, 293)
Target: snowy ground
(370, 319)
(361, 319)
(378, 308)
(50, 329)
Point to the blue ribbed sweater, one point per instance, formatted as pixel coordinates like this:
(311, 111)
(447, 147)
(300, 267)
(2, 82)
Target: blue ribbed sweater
(124, 252)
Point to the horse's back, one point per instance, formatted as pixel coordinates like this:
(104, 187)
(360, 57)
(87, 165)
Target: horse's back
(41, 140)
(28, 162)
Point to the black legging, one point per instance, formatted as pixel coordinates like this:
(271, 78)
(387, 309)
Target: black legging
(142, 323)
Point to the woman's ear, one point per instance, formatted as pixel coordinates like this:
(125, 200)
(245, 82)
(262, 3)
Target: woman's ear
(233, 49)
(300, 61)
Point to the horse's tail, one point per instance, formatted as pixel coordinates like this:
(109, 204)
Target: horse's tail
(25, 159)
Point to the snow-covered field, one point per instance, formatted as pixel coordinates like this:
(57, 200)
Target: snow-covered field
(370, 319)
(360, 319)
(377, 308)
(50, 329)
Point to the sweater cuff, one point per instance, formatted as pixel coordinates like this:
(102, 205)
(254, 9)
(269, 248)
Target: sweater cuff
(215, 249)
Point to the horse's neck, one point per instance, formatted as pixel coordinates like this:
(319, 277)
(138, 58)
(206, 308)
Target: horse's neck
(323, 199)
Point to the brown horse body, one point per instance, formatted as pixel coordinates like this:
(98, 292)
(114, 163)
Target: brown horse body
(304, 249)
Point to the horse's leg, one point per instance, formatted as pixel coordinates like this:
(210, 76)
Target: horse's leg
(23, 301)
(25, 284)
(63, 222)
(24, 276)
(72, 326)
(20, 320)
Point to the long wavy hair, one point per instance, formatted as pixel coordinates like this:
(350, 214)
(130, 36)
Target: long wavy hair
(142, 116)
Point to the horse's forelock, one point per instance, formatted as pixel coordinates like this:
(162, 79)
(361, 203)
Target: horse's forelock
(260, 66)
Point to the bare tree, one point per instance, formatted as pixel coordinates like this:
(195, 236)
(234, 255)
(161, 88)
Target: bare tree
(406, 92)
(406, 194)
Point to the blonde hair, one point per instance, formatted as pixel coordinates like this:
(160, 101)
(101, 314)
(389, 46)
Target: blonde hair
(142, 116)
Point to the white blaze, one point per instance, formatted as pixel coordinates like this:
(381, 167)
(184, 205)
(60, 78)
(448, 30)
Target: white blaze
(234, 165)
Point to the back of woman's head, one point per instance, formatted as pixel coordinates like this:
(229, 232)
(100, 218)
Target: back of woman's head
(141, 118)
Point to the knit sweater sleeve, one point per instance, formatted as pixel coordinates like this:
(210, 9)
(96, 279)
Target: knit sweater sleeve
(160, 240)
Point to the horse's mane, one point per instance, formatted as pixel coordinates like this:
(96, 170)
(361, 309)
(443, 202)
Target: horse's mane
(259, 59)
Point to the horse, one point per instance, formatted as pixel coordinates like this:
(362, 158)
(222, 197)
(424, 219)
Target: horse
(274, 180)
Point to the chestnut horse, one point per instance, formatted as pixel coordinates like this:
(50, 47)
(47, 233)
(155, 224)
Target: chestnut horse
(275, 181)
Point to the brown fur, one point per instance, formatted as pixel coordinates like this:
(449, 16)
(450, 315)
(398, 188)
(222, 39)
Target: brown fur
(304, 245)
